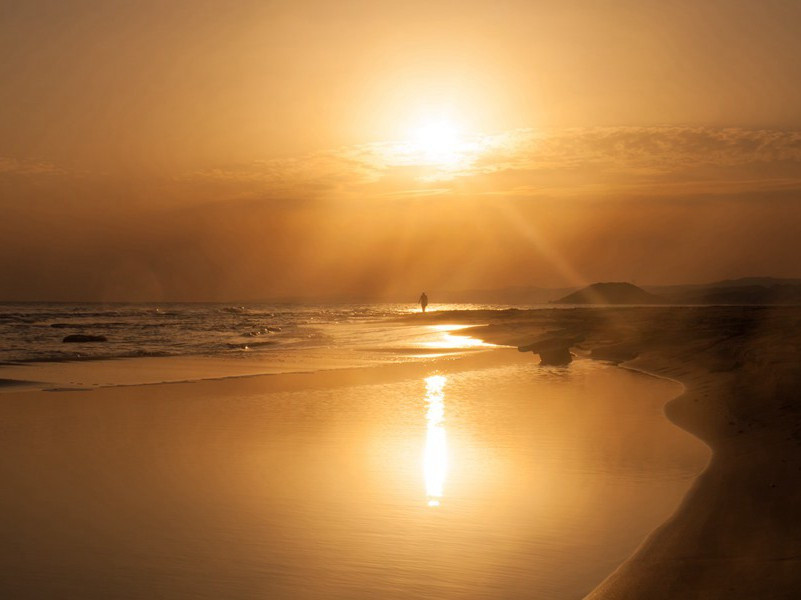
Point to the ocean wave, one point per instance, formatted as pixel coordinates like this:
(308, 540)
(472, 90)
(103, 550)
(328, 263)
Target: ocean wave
(79, 357)
(33, 332)
(251, 345)
(100, 325)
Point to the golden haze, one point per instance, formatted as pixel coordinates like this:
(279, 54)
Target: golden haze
(195, 151)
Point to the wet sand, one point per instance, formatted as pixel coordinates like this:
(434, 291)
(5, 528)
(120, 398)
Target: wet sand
(737, 533)
(477, 477)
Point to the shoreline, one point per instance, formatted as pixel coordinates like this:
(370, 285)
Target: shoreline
(376, 343)
(253, 370)
(725, 538)
(735, 533)
(620, 577)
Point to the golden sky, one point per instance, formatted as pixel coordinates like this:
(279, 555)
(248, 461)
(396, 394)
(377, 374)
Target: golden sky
(199, 150)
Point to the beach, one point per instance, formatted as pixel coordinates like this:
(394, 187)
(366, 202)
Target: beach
(462, 472)
(400, 301)
(472, 474)
(736, 533)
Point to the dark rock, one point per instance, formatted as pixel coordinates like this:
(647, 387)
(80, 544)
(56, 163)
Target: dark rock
(553, 350)
(77, 338)
(556, 356)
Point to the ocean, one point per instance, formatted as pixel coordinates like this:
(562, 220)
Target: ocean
(158, 343)
(34, 332)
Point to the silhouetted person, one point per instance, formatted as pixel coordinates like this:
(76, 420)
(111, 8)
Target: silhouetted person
(423, 301)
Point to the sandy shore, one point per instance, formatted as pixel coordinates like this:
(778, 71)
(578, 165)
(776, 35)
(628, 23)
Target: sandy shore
(310, 485)
(738, 532)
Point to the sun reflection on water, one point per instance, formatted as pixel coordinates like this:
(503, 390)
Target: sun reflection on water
(435, 456)
(445, 338)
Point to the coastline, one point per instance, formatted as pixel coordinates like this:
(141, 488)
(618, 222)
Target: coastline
(735, 534)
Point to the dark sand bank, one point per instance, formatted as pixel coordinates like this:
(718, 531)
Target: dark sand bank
(738, 532)
(16, 384)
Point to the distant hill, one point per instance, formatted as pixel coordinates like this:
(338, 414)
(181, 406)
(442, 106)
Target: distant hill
(522, 296)
(744, 291)
(747, 294)
(754, 281)
(611, 293)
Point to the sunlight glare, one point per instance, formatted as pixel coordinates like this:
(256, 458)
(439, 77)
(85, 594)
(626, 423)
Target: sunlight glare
(439, 145)
(438, 136)
(445, 339)
(438, 140)
(435, 455)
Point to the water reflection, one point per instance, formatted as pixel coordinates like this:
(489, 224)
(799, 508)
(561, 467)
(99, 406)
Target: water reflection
(446, 339)
(435, 456)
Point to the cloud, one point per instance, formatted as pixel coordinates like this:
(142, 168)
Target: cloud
(17, 166)
(494, 209)
(656, 149)
(577, 163)
(613, 160)
(313, 174)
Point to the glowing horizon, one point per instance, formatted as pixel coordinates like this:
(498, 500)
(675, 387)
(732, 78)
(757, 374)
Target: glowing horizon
(175, 151)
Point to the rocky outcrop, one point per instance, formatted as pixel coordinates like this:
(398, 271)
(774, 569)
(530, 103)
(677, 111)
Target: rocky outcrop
(78, 338)
(553, 349)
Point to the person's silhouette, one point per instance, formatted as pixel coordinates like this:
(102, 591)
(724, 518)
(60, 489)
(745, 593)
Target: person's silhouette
(423, 301)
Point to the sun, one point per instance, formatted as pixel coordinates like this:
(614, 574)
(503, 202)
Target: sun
(437, 145)
(440, 134)
(438, 140)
